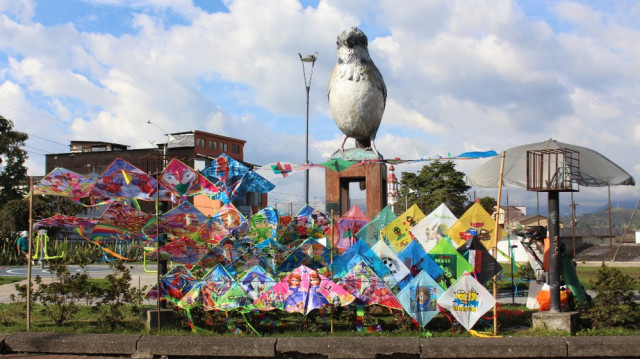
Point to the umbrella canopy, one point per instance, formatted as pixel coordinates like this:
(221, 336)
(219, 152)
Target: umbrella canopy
(595, 169)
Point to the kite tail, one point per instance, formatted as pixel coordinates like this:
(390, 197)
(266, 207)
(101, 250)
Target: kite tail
(249, 324)
(229, 324)
(483, 334)
(360, 321)
(444, 312)
(266, 320)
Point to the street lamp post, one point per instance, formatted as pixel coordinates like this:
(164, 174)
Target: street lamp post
(307, 84)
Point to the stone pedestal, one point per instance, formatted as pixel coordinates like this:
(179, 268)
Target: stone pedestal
(374, 177)
(167, 319)
(564, 321)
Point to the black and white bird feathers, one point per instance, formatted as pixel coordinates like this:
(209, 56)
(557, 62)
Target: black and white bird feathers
(357, 93)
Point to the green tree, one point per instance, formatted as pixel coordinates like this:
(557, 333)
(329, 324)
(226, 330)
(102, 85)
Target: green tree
(488, 203)
(14, 215)
(13, 173)
(436, 183)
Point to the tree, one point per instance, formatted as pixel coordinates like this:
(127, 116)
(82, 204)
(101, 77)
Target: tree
(13, 173)
(14, 215)
(436, 183)
(488, 203)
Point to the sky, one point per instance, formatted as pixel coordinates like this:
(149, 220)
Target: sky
(461, 76)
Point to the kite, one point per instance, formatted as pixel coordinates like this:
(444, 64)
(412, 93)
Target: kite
(417, 260)
(64, 182)
(256, 281)
(302, 291)
(121, 215)
(397, 232)
(184, 251)
(452, 263)
(310, 253)
(371, 231)
(391, 261)
(233, 179)
(308, 223)
(183, 220)
(433, 227)
(124, 180)
(360, 251)
(367, 288)
(183, 180)
(485, 266)
(264, 224)
(337, 165)
(173, 286)
(348, 225)
(419, 298)
(475, 222)
(467, 300)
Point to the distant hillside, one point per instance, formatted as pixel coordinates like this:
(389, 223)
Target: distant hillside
(600, 219)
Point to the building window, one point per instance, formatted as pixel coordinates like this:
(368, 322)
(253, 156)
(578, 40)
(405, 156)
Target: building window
(213, 145)
(223, 146)
(235, 148)
(200, 142)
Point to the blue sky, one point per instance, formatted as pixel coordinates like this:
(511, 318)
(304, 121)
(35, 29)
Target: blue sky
(461, 76)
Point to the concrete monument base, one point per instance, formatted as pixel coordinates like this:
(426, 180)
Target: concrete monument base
(563, 321)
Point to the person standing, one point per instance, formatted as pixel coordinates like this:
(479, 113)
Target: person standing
(22, 245)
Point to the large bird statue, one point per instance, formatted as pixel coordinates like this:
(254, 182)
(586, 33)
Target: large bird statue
(357, 93)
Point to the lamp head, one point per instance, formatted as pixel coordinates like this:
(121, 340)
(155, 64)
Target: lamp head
(308, 58)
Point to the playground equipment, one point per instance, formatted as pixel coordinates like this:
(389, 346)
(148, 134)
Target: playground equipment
(41, 247)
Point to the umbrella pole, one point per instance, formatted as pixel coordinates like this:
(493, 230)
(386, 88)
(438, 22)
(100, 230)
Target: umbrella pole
(495, 249)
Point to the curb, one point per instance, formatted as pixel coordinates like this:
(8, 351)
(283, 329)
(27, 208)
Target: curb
(156, 346)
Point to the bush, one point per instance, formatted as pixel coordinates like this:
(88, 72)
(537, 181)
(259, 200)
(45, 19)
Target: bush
(614, 305)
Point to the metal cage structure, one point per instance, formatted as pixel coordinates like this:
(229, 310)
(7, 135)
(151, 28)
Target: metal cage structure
(555, 169)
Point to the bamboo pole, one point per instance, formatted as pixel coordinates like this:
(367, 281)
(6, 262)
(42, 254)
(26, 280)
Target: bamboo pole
(495, 249)
(29, 254)
(158, 274)
(331, 263)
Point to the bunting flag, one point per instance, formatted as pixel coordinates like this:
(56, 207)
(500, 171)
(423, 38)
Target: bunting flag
(397, 232)
(348, 225)
(433, 227)
(391, 261)
(485, 266)
(371, 231)
(475, 222)
(367, 288)
(452, 263)
(419, 298)
(467, 300)
(63, 182)
(417, 260)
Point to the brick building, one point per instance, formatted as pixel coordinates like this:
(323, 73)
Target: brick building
(195, 148)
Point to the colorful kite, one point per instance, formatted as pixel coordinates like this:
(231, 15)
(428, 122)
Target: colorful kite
(467, 300)
(397, 232)
(183, 180)
(485, 266)
(452, 263)
(184, 251)
(121, 215)
(348, 225)
(302, 291)
(475, 222)
(417, 260)
(233, 179)
(66, 183)
(256, 281)
(371, 231)
(308, 223)
(420, 298)
(434, 227)
(367, 288)
(391, 261)
(124, 180)
(183, 220)
(173, 286)
(360, 251)
(310, 253)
